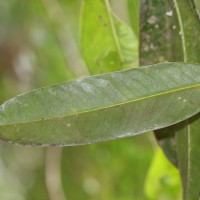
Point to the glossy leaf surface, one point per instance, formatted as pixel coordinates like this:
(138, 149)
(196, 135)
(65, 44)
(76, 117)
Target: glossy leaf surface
(99, 108)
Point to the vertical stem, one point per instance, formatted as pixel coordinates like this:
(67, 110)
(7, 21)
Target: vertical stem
(53, 174)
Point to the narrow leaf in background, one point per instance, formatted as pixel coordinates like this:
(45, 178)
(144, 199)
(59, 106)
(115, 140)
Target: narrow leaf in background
(187, 135)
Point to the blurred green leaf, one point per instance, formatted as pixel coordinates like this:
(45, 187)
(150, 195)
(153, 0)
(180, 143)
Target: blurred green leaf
(106, 42)
(98, 38)
(127, 40)
(163, 181)
(115, 165)
(101, 107)
(133, 8)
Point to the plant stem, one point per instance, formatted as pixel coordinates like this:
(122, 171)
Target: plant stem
(53, 174)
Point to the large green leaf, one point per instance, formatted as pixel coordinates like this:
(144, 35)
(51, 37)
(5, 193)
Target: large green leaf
(101, 107)
(127, 41)
(105, 40)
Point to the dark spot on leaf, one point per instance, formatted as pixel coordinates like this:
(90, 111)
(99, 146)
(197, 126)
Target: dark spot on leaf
(105, 25)
(100, 17)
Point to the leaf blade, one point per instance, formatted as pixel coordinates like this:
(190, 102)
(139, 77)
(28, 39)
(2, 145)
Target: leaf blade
(100, 108)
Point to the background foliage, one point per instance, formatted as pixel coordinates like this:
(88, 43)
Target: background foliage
(40, 45)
